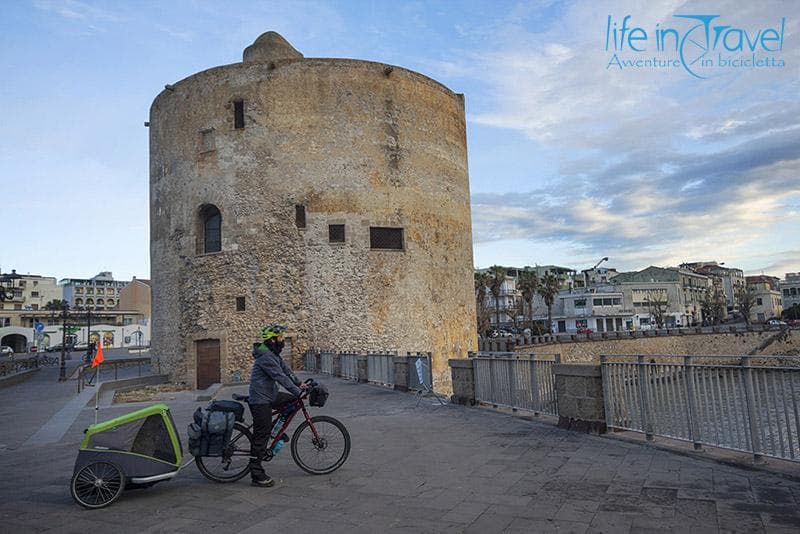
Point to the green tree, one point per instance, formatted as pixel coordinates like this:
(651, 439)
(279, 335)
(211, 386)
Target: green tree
(713, 305)
(657, 303)
(56, 305)
(481, 309)
(745, 301)
(528, 285)
(548, 289)
(497, 277)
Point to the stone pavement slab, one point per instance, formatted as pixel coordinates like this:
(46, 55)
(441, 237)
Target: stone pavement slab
(415, 469)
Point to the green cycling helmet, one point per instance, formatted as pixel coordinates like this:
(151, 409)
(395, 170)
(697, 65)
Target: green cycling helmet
(272, 330)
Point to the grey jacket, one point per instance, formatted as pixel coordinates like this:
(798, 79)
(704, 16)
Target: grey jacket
(269, 370)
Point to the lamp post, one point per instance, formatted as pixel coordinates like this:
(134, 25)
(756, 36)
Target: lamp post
(62, 373)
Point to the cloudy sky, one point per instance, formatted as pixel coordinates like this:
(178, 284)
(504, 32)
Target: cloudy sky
(570, 160)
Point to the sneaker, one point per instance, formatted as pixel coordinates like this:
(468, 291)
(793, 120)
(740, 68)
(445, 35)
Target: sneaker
(262, 480)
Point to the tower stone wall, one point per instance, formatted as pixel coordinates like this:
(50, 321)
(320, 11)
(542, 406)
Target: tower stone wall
(352, 142)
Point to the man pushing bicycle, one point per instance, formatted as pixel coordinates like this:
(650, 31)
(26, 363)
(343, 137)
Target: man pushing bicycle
(269, 370)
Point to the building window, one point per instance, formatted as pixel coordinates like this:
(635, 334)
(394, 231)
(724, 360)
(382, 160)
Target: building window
(300, 216)
(336, 233)
(207, 141)
(759, 302)
(212, 228)
(240, 304)
(34, 307)
(580, 303)
(34, 293)
(385, 238)
(238, 114)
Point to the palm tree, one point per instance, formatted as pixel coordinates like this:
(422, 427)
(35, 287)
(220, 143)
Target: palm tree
(548, 289)
(497, 277)
(528, 285)
(481, 311)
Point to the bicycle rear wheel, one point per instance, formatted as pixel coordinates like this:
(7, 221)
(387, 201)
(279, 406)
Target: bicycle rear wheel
(235, 460)
(323, 453)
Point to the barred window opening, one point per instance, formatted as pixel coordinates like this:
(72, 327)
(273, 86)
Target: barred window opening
(336, 233)
(386, 238)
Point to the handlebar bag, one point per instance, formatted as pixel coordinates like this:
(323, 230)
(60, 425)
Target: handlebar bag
(318, 395)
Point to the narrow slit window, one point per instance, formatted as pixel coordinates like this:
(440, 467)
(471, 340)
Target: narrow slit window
(212, 229)
(336, 233)
(238, 114)
(240, 306)
(385, 238)
(300, 216)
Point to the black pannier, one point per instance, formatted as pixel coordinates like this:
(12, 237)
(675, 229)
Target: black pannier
(237, 408)
(210, 431)
(318, 395)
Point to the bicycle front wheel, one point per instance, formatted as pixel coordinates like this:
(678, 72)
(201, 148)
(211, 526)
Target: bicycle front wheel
(235, 460)
(324, 448)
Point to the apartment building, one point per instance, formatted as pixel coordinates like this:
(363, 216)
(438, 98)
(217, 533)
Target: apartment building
(680, 292)
(29, 292)
(767, 302)
(790, 290)
(101, 292)
(729, 280)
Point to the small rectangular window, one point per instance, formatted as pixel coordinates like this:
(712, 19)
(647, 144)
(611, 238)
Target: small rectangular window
(300, 216)
(385, 238)
(238, 114)
(207, 141)
(336, 233)
(240, 304)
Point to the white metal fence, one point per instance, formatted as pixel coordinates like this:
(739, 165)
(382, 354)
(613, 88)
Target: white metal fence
(515, 380)
(380, 368)
(744, 403)
(349, 368)
(326, 362)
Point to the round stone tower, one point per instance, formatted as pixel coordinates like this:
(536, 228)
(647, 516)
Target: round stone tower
(330, 195)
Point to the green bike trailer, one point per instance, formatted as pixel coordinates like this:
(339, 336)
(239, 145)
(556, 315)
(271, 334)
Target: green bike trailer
(133, 450)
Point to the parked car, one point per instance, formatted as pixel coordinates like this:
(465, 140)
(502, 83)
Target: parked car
(585, 331)
(6, 350)
(777, 322)
(81, 346)
(793, 322)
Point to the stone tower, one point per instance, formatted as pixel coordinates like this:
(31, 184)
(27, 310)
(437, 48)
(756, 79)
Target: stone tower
(330, 195)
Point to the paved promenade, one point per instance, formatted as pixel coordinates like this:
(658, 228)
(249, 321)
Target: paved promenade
(411, 469)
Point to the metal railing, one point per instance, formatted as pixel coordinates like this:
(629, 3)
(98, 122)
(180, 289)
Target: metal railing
(380, 368)
(349, 365)
(109, 370)
(326, 362)
(743, 403)
(310, 361)
(517, 381)
(12, 366)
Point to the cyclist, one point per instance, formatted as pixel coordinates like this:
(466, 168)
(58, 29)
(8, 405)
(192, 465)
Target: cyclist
(269, 370)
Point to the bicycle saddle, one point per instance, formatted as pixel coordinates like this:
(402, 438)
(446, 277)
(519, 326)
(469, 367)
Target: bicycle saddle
(241, 398)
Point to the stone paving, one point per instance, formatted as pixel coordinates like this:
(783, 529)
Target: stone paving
(411, 469)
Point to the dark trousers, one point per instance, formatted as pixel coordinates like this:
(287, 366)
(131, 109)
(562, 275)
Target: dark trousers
(262, 425)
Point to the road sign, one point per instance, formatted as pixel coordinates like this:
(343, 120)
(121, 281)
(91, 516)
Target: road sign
(39, 327)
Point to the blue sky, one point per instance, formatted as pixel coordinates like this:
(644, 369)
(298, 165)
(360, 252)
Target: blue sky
(570, 161)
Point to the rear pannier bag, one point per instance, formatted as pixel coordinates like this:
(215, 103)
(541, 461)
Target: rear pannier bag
(237, 408)
(210, 431)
